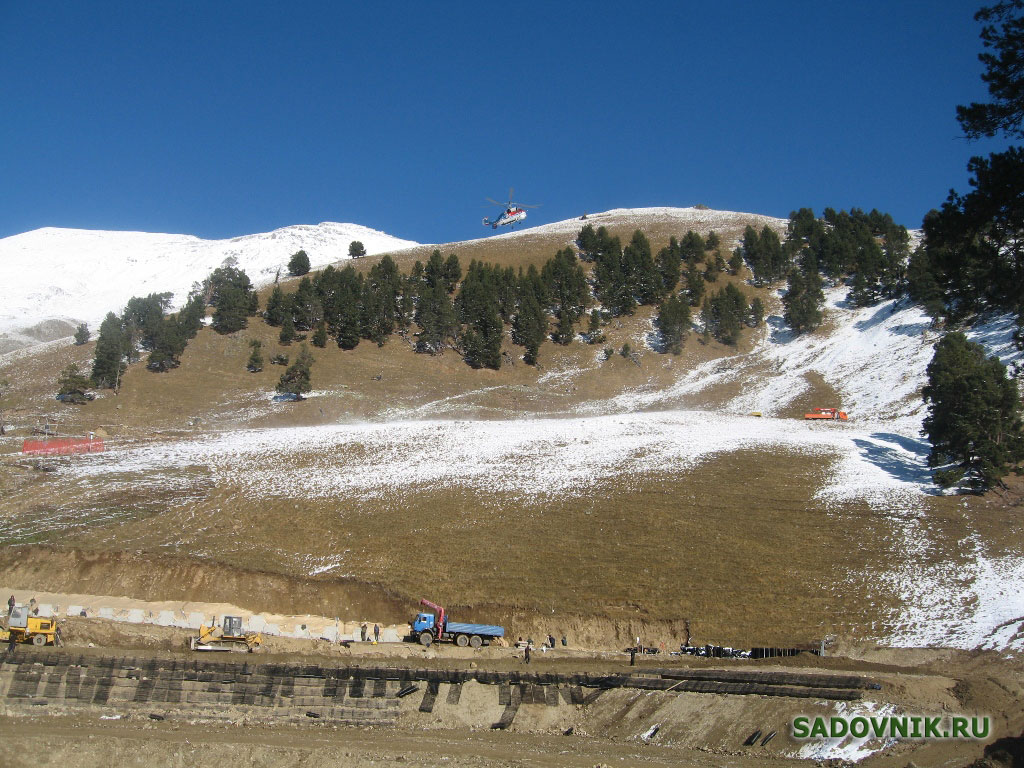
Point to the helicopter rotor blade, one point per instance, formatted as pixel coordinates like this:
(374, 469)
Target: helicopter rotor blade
(511, 194)
(493, 201)
(530, 206)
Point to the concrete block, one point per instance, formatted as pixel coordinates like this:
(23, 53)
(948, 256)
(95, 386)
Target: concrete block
(135, 616)
(390, 636)
(272, 629)
(255, 624)
(164, 619)
(75, 610)
(330, 634)
(195, 619)
(106, 613)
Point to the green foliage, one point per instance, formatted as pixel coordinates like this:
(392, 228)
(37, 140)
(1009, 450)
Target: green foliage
(974, 244)
(255, 362)
(668, 265)
(82, 335)
(320, 335)
(108, 362)
(530, 323)
(674, 322)
(356, 250)
(764, 255)
(724, 314)
(298, 264)
(72, 385)
(565, 332)
(1003, 38)
(974, 415)
(756, 312)
(296, 379)
(287, 335)
(594, 333)
(277, 305)
(922, 285)
(625, 277)
(435, 316)
(804, 300)
(694, 285)
(230, 291)
(588, 243)
(565, 283)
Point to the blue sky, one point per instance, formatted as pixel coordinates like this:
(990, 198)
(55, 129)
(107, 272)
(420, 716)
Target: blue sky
(227, 118)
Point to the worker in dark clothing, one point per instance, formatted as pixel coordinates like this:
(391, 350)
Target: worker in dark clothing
(10, 605)
(376, 633)
(551, 642)
(362, 633)
(526, 654)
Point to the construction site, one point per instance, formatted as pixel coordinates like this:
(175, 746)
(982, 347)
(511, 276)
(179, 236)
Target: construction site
(648, 559)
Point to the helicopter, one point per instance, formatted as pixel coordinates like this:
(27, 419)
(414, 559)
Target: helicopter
(513, 212)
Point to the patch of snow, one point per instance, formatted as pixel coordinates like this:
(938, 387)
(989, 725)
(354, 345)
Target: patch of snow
(79, 275)
(977, 603)
(849, 748)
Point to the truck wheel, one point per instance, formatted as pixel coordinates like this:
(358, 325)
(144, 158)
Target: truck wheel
(426, 638)
(476, 641)
(38, 639)
(462, 641)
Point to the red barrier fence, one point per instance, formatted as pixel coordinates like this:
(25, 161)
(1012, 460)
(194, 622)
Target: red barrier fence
(62, 446)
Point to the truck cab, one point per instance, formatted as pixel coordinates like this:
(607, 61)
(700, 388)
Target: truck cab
(424, 621)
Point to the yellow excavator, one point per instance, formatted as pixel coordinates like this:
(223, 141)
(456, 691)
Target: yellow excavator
(24, 627)
(227, 637)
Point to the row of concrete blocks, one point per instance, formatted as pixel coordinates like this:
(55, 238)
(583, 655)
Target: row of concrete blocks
(194, 619)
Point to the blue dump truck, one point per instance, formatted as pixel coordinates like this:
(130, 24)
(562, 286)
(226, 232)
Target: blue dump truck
(427, 629)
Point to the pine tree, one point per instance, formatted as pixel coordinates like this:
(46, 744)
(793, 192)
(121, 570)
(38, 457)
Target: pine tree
(276, 307)
(594, 333)
(296, 379)
(287, 335)
(694, 285)
(803, 300)
(320, 335)
(298, 264)
(668, 265)
(356, 250)
(736, 261)
(452, 272)
(108, 362)
(673, 321)
(529, 326)
(232, 310)
(348, 323)
(82, 335)
(1003, 37)
(564, 331)
(435, 316)
(756, 312)
(72, 385)
(974, 415)
(255, 361)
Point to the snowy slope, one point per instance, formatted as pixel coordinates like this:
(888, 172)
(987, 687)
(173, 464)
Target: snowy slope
(700, 220)
(79, 275)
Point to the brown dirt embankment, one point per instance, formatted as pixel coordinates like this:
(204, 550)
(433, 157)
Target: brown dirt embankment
(155, 578)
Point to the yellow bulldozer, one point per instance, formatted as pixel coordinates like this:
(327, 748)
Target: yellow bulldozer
(227, 637)
(24, 627)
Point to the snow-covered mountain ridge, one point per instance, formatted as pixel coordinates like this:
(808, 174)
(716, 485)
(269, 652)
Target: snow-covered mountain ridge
(52, 279)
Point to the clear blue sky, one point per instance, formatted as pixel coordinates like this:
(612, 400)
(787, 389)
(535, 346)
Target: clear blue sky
(226, 118)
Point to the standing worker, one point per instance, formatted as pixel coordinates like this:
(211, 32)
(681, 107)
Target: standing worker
(10, 605)
(526, 654)
(376, 633)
